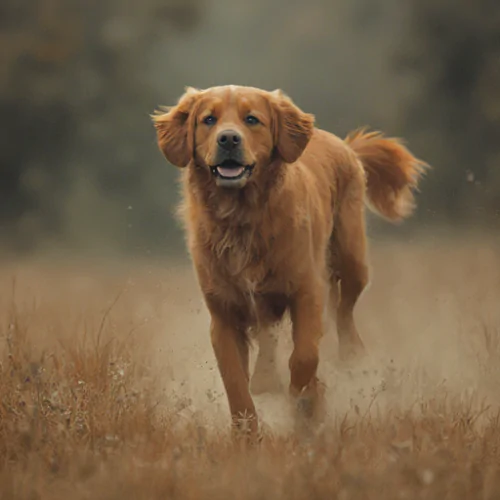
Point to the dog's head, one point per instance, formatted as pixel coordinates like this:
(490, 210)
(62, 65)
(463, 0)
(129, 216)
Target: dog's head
(233, 132)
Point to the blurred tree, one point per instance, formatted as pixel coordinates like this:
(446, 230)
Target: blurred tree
(454, 51)
(78, 79)
(70, 71)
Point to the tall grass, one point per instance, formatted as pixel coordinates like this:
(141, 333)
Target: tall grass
(85, 413)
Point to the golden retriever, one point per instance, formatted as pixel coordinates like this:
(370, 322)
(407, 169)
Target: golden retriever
(273, 209)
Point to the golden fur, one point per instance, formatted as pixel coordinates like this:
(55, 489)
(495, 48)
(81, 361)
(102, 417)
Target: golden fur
(290, 237)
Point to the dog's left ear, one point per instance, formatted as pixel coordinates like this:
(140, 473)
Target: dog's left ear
(292, 127)
(175, 128)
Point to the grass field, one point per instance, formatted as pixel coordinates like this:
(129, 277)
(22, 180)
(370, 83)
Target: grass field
(109, 390)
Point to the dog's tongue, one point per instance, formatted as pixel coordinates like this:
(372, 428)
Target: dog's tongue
(230, 172)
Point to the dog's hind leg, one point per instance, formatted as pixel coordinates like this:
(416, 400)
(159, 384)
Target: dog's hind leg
(350, 267)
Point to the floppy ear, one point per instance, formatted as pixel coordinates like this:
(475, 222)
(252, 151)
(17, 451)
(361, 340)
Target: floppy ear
(292, 128)
(175, 129)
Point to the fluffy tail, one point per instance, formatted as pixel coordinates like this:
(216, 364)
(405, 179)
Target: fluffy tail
(392, 173)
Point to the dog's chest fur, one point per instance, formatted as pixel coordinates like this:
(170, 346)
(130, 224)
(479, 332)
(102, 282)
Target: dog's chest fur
(245, 258)
(241, 243)
(247, 272)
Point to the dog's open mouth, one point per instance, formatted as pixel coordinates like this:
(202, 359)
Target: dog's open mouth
(231, 172)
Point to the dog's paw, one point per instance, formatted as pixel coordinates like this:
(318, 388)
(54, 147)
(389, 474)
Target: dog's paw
(309, 404)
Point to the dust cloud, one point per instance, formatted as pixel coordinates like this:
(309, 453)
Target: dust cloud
(428, 321)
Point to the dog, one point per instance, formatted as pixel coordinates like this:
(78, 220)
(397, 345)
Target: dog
(273, 210)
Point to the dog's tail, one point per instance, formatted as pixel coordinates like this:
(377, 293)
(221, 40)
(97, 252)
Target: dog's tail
(392, 173)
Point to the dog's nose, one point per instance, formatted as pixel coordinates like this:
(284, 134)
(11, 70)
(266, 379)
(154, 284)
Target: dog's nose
(229, 139)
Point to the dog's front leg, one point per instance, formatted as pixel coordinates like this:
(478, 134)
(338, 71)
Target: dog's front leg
(307, 320)
(231, 351)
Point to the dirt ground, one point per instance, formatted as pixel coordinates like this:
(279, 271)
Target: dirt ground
(109, 388)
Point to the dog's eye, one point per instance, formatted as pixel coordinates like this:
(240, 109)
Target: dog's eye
(209, 120)
(251, 120)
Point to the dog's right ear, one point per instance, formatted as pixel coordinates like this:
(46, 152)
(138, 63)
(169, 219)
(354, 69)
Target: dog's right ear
(175, 128)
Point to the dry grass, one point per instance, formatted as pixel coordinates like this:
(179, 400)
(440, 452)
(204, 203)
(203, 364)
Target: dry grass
(108, 388)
